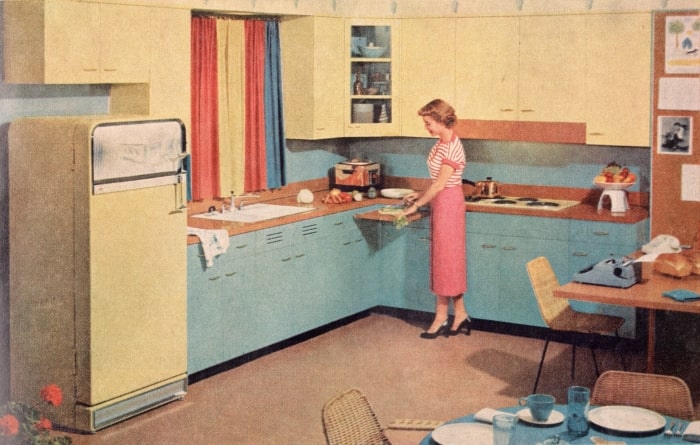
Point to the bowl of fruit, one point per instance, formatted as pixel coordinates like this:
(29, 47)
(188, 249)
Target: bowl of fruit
(615, 177)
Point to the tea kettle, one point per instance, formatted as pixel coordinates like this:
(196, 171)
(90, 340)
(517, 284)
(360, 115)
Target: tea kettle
(487, 188)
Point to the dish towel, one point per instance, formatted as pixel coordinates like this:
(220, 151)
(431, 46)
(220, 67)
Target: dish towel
(486, 414)
(682, 295)
(214, 242)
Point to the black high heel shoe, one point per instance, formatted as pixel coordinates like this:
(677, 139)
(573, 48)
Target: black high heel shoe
(442, 330)
(465, 326)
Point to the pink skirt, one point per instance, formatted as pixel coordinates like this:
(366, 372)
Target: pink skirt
(448, 249)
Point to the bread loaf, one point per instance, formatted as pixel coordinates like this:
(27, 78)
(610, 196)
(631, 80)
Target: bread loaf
(694, 258)
(674, 264)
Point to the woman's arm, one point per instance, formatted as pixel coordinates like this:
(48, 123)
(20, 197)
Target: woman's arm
(435, 188)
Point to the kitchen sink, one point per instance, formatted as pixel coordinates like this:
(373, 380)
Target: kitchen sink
(255, 212)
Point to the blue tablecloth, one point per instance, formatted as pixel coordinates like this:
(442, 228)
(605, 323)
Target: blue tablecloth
(527, 434)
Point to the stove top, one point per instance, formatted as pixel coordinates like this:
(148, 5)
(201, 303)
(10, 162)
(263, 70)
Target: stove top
(521, 202)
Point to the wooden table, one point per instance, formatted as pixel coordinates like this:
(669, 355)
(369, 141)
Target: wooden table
(644, 295)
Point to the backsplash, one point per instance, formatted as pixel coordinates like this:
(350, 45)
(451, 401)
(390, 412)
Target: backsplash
(564, 165)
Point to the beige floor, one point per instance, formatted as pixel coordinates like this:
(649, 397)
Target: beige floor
(277, 399)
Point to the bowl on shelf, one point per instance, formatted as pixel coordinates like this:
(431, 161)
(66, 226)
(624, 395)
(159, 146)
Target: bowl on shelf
(372, 51)
(614, 185)
(372, 90)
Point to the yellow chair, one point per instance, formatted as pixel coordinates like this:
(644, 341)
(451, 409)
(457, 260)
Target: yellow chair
(665, 394)
(349, 419)
(558, 314)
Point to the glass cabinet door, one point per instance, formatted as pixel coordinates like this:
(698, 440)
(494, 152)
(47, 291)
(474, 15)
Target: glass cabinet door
(371, 86)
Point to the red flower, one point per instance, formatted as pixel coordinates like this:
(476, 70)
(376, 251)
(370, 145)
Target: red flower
(9, 425)
(52, 394)
(43, 425)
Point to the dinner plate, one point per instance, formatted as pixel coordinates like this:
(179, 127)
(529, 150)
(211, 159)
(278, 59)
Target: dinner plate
(463, 434)
(396, 193)
(627, 419)
(555, 418)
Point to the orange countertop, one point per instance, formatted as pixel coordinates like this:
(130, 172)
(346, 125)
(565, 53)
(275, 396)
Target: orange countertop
(587, 210)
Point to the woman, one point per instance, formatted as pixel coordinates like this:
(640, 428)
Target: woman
(448, 261)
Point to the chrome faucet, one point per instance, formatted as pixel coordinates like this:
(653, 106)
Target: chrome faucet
(241, 199)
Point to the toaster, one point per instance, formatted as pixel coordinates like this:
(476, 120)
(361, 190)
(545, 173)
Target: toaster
(356, 175)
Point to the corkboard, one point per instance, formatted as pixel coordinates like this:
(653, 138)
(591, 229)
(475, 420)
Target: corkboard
(669, 214)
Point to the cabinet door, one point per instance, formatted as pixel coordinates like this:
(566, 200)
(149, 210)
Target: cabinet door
(124, 43)
(426, 72)
(313, 76)
(618, 80)
(418, 295)
(72, 49)
(552, 69)
(373, 108)
(204, 311)
(486, 70)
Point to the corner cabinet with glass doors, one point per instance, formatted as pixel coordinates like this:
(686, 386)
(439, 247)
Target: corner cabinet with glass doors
(372, 86)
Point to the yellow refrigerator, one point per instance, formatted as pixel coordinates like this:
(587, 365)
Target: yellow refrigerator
(97, 248)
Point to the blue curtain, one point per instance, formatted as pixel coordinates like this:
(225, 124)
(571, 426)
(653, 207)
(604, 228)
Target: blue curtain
(274, 124)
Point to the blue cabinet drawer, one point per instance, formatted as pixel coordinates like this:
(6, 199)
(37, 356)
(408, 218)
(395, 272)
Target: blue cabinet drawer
(609, 233)
(275, 237)
(516, 225)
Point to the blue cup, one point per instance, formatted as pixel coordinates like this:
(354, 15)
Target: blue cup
(577, 410)
(540, 405)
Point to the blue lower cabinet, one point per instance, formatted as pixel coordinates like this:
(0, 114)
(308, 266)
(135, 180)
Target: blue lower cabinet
(498, 250)
(417, 293)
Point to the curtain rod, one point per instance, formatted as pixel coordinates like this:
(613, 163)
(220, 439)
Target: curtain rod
(236, 16)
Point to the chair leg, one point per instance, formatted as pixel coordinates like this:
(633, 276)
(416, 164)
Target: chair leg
(539, 369)
(622, 356)
(595, 361)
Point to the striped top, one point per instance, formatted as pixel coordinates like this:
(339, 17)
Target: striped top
(452, 154)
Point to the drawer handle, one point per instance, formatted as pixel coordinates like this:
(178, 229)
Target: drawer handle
(506, 109)
(284, 260)
(580, 254)
(595, 133)
(241, 246)
(214, 278)
(601, 233)
(527, 110)
(230, 274)
(488, 246)
(300, 255)
(90, 70)
(339, 223)
(347, 243)
(509, 248)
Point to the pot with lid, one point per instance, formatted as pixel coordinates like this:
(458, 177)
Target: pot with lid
(487, 188)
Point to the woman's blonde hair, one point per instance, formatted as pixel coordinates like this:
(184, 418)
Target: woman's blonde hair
(440, 111)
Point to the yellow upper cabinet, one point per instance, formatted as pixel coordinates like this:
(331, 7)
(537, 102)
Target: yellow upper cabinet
(427, 69)
(527, 68)
(618, 87)
(372, 78)
(552, 69)
(486, 76)
(313, 69)
(64, 42)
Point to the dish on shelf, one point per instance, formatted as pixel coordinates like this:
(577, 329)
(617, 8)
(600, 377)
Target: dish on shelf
(463, 434)
(372, 51)
(396, 193)
(627, 419)
(555, 418)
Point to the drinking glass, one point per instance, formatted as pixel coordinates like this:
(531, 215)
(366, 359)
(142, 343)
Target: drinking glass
(504, 429)
(577, 410)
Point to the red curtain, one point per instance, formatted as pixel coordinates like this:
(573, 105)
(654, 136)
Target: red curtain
(255, 171)
(205, 114)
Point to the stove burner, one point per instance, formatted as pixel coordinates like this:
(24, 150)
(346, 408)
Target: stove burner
(528, 199)
(542, 204)
(481, 198)
(504, 201)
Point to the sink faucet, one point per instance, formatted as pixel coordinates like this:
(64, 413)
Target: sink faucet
(241, 199)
